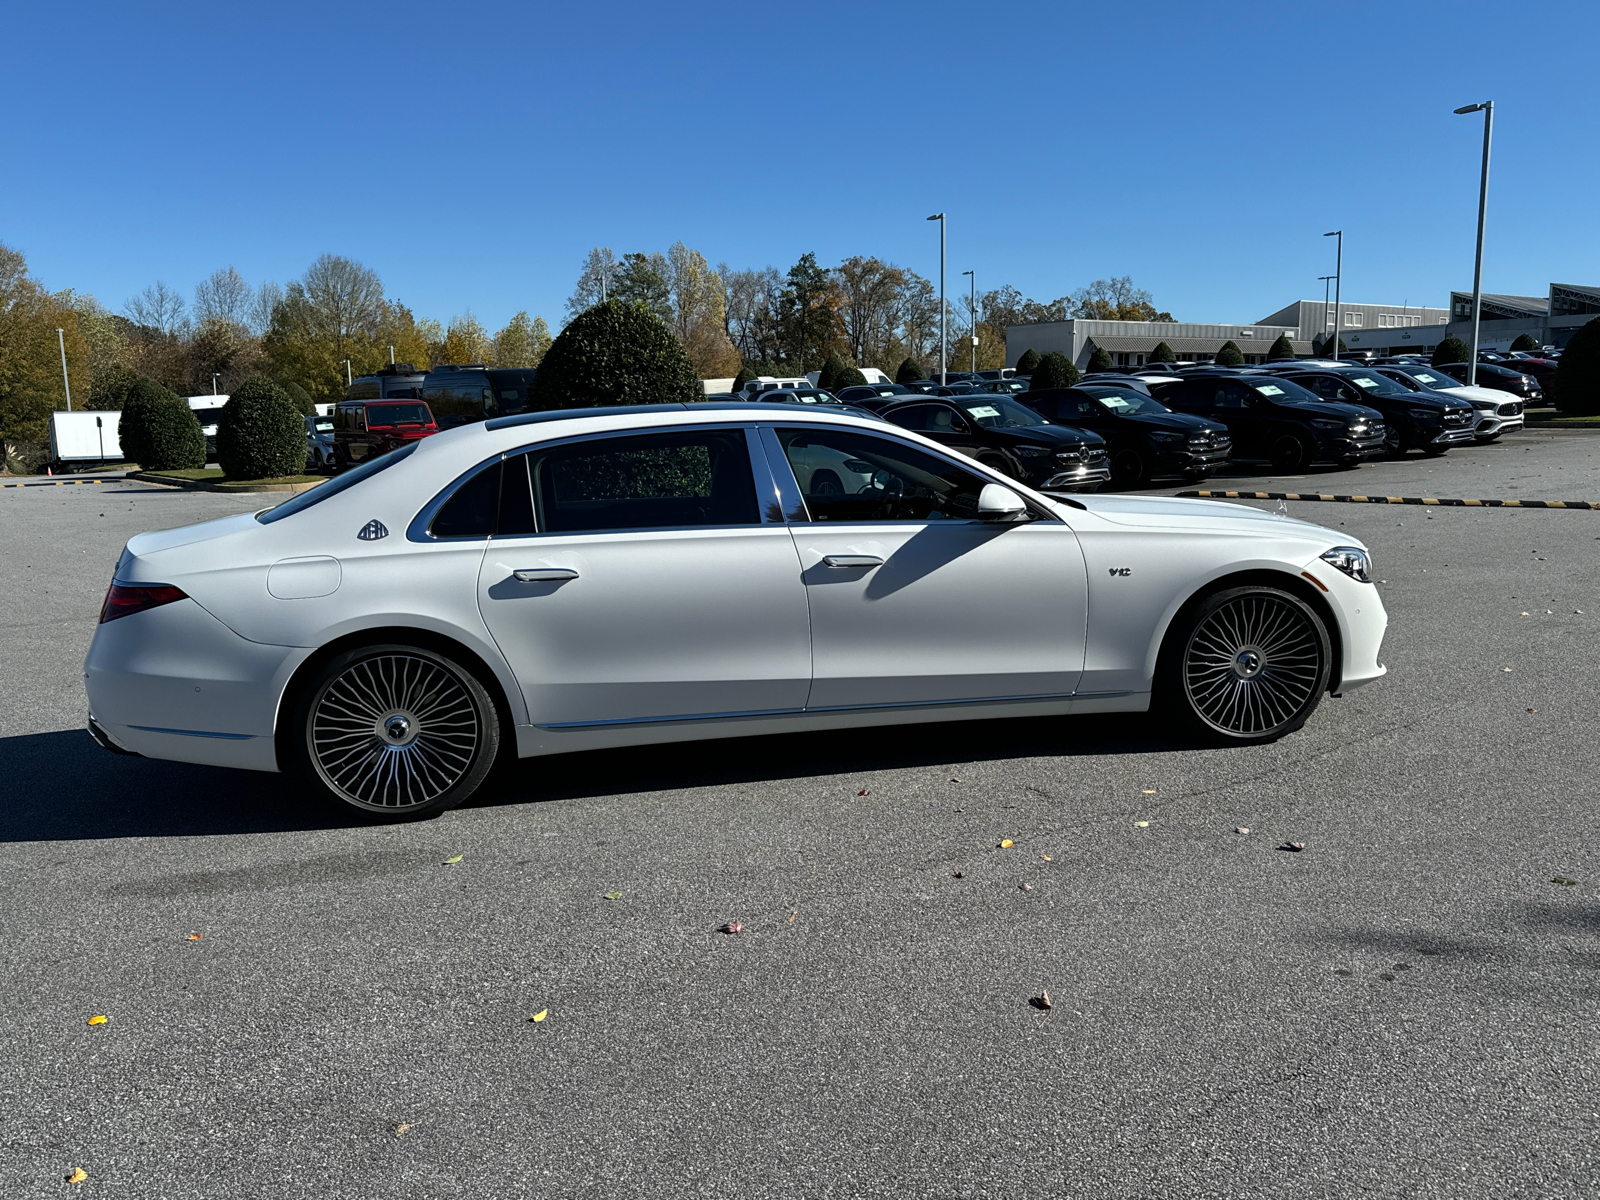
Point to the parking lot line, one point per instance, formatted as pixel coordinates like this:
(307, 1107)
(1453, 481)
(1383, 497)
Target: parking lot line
(1437, 502)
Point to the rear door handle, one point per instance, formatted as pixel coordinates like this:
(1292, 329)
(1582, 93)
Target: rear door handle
(846, 561)
(544, 575)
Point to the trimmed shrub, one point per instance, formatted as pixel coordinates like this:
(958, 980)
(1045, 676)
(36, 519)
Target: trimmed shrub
(1526, 343)
(1577, 389)
(1281, 348)
(1230, 355)
(261, 434)
(744, 376)
(1028, 363)
(1101, 361)
(111, 388)
(1451, 350)
(299, 397)
(910, 371)
(158, 430)
(1055, 370)
(849, 377)
(1162, 353)
(616, 353)
(828, 377)
(1324, 347)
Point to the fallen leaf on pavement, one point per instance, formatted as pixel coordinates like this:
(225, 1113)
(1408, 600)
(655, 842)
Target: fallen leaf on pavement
(613, 896)
(400, 1129)
(195, 937)
(1149, 791)
(78, 1175)
(1563, 881)
(731, 927)
(1295, 846)
(1005, 844)
(456, 859)
(1242, 829)
(1042, 1002)
(540, 1015)
(1141, 824)
(862, 792)
(97, 1020)
(793, 915)
(1047, 858)
(1025, 887)
(1533, 710)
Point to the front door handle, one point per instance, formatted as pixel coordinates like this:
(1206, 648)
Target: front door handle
(847, 561)
(544, 575)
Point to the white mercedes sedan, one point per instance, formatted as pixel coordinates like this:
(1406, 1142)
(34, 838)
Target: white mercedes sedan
(597, 578)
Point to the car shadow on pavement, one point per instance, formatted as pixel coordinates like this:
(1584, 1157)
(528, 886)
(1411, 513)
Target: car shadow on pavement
(835, 752)
(63, 787)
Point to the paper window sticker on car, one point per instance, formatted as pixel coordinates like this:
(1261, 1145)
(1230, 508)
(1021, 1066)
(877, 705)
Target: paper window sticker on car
(984, 410)
(1363, 381)
(1266, 389)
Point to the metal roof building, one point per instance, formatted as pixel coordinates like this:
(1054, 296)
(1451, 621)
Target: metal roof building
(1130, 342)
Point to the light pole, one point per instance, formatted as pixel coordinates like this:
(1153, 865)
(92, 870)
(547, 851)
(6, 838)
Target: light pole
(391, 356)
(61, 340)
(939, 217)
(1338, 282)
(1483, 208)
(213, 383)
(1327, 290)
(347, 372)
(972, 307)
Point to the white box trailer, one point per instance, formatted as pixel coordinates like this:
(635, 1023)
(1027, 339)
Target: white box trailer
(85, 437)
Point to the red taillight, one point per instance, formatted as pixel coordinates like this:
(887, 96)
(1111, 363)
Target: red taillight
(125, 598)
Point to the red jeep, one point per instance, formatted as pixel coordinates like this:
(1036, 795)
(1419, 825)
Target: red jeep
(364, 429)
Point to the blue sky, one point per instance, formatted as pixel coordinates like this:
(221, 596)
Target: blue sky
(473, 153)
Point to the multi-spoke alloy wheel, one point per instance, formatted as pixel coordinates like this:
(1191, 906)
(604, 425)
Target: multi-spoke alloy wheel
(398, 730)
(1254, 663)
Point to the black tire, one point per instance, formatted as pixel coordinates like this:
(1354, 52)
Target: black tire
(394, 732)
(1393, 447)
(1001, 463)
(826, 483)
(1245, 665)
(1289, 453)
(1129, 469)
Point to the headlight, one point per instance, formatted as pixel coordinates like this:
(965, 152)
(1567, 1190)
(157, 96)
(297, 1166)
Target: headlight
(1031, 451)
(1328, 426)
(1166, 439)
(1352, 560)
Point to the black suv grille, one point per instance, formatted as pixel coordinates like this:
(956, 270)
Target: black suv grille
(1459, 418)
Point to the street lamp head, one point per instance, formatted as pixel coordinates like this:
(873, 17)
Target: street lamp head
(937, 217)
(1333, 233)
(1472, 108)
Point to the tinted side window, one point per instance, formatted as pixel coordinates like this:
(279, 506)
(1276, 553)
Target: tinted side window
(664, 480)
(916, 416)
(474, 509)
(362, 389)
(848, 476)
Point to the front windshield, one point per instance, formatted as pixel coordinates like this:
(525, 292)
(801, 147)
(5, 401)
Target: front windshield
(1429, 379)
(1128, 403)
(1003, 413)
(1378, 385)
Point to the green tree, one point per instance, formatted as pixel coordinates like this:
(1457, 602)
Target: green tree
(335, 312)
(642, 279)
(828, 377)
(467, 341)
(1230, 355)
(616, 353)
(1451, 350)
(911, 370)
(260, 432)
(159, 431)
(111, 389)
(806, 316)
(1028, 363)
(744, 376)
(1526, 343)
(1162, 353)
(30, 356)
(1100, 361)
(1578, 377)
(299, 398)
(1055, 371)
(700, 312)
(1282, 348)
(522, 343)
(849, 377)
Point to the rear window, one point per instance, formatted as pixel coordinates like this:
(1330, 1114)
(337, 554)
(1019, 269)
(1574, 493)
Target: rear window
(341, 482)
(397, 414)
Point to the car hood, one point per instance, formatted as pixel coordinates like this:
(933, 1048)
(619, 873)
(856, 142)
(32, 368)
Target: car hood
(1175, 422)
(1060, 435)
(1334, 408)
(1166, 512)
(1492, 395)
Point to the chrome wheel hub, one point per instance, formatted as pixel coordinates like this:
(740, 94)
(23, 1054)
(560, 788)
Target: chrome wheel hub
(393, 732)
(1252, 665)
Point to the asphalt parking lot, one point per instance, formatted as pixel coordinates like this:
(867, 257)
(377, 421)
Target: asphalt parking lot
(1408, 1007)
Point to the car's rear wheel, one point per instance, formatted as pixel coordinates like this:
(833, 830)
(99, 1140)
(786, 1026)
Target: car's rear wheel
(1289, 453)
(1002, 464)
(1249, 664)
(396, 731)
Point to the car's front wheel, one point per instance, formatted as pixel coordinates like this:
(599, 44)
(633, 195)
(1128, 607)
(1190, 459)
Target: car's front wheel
(1289, 453)
(1248, 664)
(395, 731)
(1129, 469)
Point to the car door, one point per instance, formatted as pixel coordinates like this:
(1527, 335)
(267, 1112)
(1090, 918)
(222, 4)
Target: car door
(944, 423)
(1229, 402)
(914, 601)
(635, 578)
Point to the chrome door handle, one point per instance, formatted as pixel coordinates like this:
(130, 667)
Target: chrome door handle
(544, 575)
(846, 561)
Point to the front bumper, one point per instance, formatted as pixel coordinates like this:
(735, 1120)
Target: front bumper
(1082, 478)
(1454, 437)
(1346, 448)
(1182, 461)
(1362, 623)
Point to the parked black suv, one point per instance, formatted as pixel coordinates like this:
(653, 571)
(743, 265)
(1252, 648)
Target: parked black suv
(1145, 437)
(1503, 379)
(461, 393)
(1010, 438)
(397, 381)
(1272, 418)
(1428, 421)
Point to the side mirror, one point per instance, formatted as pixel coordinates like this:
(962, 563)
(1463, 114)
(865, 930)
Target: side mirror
(999, 503)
